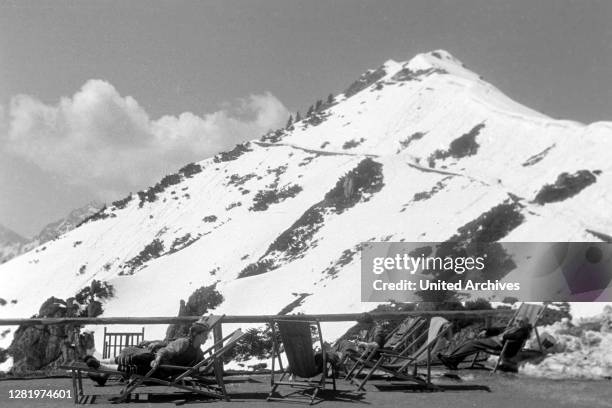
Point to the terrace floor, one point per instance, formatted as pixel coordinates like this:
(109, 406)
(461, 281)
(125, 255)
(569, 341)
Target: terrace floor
(468, 389)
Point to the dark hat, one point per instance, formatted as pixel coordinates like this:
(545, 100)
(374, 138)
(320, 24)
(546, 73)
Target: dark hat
(198, 328)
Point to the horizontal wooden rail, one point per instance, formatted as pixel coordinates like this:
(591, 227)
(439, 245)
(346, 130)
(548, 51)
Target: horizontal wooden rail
(339, 317)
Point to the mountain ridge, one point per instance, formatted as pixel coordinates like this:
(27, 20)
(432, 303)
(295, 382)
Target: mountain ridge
(8, 236)
(410, 152)
(13, 248)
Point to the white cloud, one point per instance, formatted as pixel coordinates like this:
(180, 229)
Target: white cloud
(108, 143)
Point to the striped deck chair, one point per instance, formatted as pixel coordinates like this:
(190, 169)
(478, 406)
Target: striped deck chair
(297, 341)
(397, 339)
(532, 313)
(398, 363)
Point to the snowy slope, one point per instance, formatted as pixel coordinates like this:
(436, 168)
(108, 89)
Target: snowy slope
(441, 148)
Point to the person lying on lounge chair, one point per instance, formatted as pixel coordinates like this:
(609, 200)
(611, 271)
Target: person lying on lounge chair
(184, 351)
(490, 340)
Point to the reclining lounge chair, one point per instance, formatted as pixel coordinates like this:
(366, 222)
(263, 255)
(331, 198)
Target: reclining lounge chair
(532, 313)
(297, 341)
(192, 379)
(398, 363)
(400, 338)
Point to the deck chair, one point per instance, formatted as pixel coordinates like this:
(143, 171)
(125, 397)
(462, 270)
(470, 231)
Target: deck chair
(190, 379)
(532, 313)
(398, 363)
(297, 341)
(210, 320)
(368, 336)
(396, 339)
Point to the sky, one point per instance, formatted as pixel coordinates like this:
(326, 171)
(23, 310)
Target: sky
(102, 98)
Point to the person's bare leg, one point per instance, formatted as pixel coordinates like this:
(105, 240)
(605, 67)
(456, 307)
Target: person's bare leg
(107, 363)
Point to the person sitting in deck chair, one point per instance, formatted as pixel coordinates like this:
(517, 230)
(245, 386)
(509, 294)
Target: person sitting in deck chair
(367, 334)
(491, 340)
(184, 351)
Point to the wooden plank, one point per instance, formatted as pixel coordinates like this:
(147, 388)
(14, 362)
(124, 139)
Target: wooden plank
(338, 317)
(105, 345)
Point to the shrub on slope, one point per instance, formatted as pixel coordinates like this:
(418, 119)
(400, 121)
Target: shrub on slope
(356, 186)
(464, 146)
(364, 81)
(199, 303)
(264, 198)
(478, 238)
(566, 186)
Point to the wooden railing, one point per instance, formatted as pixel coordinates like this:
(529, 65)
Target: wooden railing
(486, 315)
(338, 317)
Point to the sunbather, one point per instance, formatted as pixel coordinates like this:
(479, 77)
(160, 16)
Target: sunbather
(490, 340)
(365, 335)
(184, 351)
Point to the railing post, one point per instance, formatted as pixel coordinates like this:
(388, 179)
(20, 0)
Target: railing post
(217, 337)
(104, 346)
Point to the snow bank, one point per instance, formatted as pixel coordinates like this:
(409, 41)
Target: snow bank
(582, 351)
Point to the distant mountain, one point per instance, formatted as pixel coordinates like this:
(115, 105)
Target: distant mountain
(10, 237)
(74, 218)
(422, 150)
(12, 244)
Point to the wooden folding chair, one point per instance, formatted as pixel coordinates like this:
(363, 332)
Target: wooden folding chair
(297, 341)
(397, 363)
(191, 378)
(532, 313)
(397, 339)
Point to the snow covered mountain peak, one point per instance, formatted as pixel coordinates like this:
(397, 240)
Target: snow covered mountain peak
(416, 151)
(440, 59)
(437, 59)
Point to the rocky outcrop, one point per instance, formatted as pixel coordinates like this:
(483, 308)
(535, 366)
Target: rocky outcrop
(43, 347)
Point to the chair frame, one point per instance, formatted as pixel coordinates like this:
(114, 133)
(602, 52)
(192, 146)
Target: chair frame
(368, 354)
(410, 359)
(120, 341)
(212, 358)
(478, 363)
(368, 336)
(305, 384)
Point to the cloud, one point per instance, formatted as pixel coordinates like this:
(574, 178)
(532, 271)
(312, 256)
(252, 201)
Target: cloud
(108, 143)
